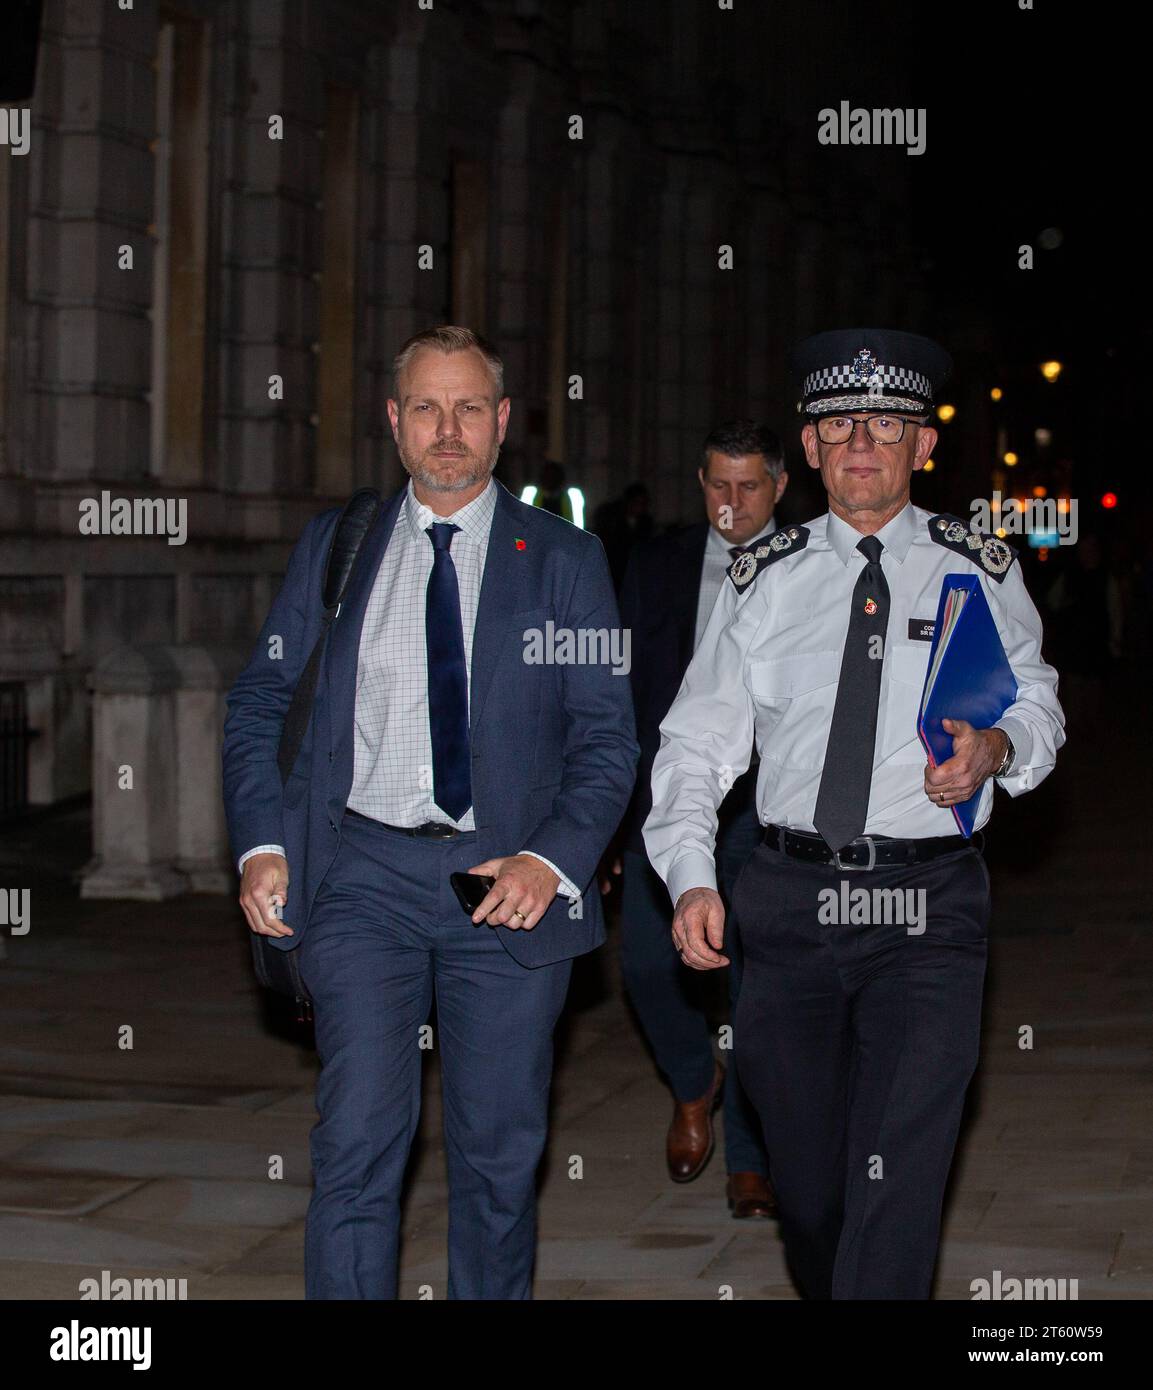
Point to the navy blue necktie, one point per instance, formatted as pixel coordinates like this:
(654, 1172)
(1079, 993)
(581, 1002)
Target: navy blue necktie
(447, 679)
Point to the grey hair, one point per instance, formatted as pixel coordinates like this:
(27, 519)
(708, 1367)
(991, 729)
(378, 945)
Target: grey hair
(446, 338)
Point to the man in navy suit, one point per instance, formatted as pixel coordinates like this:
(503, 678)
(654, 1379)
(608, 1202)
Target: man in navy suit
(668, 594)
(447, 735)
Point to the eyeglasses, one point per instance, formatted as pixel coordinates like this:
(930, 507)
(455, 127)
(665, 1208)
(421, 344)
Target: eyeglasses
(883, 429)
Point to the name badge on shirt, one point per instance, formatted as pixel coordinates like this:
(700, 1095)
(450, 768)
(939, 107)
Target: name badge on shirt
(922, 629)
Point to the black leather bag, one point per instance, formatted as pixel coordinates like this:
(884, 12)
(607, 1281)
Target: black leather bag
(278, 969)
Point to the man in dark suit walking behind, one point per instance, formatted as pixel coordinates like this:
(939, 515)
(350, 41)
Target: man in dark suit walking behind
(444, 737)
(668, 593)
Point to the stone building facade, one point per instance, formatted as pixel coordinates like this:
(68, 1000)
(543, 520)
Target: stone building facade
(232, 212)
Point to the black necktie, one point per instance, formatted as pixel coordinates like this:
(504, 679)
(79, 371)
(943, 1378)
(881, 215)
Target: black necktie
(843, 798)
(447, 679)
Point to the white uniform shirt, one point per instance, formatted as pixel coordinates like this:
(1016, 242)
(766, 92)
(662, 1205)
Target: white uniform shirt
(768, 668)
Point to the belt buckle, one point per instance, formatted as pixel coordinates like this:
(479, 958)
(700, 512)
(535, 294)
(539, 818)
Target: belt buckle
(858, 868)
(435, 830)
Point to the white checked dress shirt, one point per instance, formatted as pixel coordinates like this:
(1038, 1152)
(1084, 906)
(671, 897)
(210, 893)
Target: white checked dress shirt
(392, 779)
(768, 667)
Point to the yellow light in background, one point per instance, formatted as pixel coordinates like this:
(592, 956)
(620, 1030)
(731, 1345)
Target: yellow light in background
(1019, 503)
(929, 465)
(1040, 492)
(1062, 505)
(996, 393)
(1000, 530)
(946, 412)
(1010, 459)
(1051, 370)
(997, 504)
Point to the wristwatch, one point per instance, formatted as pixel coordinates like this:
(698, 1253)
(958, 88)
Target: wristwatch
(1007, 760)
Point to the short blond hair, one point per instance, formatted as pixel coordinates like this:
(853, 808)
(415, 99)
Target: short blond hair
(446, 338)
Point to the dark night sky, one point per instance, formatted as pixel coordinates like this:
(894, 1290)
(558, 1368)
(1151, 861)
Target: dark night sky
(1035, 120)
(1040, 126)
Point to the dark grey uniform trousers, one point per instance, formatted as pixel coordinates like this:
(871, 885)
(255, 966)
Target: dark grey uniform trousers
(855, 1044)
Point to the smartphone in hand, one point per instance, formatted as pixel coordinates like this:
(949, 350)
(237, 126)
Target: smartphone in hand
(471, 889)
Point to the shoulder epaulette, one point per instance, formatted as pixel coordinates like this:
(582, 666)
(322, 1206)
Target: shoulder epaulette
(993, 554)
(788, 541)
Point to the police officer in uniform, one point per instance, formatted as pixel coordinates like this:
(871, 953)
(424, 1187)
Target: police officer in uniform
(856, 1039)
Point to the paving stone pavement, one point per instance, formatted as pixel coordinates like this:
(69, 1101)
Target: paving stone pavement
(154, 1161)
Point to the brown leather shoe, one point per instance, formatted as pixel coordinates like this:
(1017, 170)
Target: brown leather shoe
(750, 1196)
(690, 1139)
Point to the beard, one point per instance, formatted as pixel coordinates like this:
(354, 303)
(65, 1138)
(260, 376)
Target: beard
(456, 474)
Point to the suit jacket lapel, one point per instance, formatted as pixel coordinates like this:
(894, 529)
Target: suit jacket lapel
(344, 648)
(502, 593)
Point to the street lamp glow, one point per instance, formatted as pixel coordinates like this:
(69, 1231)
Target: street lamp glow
(996, 393)
(1010, 459)
(946, 412)
(1051, 370)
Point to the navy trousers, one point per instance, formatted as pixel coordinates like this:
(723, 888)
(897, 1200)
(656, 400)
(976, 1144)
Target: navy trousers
(856, 1043)
(387, 934)
(667, 995)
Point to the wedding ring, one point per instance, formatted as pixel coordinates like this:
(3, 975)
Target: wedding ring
(518, 913)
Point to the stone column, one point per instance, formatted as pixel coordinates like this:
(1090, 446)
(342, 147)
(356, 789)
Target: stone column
(158, 717)
(91, 193)
(270, 244)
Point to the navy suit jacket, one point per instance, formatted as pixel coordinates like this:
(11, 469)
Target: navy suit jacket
(659, 599)
(553, 747)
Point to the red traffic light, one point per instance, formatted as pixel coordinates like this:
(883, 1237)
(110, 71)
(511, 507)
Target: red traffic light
(1109, 501)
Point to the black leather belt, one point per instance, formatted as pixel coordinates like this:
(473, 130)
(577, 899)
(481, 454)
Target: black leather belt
(866, 851)
(430, 830)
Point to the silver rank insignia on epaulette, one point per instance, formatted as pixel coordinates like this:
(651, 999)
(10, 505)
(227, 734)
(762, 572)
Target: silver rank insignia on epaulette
(993, 554)
(788, 541)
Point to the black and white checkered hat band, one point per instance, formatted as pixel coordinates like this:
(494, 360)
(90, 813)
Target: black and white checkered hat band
(827, 405)
(830, 379)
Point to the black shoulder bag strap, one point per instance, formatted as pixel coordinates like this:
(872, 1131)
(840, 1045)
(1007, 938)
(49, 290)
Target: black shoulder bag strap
(275, 969)
(355, 522)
